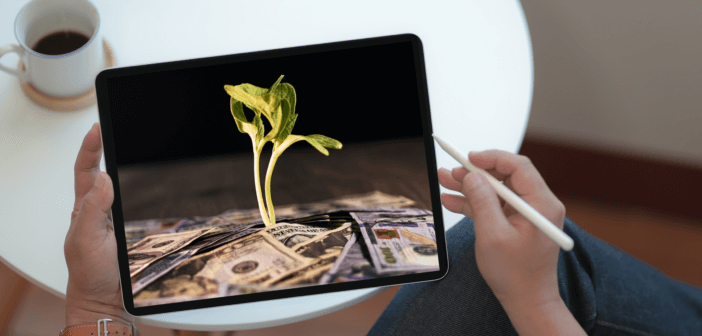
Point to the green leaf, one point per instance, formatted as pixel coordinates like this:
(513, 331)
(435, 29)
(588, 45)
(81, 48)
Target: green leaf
(287, 92)
(252, 90)
(238, 114)
(287, 130)
(255, 98)
(280, 120)
(312, 140)
(276, 83)
(317, 145)
(325, 141)
(258, 123)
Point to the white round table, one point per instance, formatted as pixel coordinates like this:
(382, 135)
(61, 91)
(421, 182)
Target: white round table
(480, 77)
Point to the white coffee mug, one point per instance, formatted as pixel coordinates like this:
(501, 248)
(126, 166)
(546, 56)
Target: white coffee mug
(64, 75)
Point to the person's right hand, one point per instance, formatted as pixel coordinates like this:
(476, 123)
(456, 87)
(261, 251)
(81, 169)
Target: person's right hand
(516, 259)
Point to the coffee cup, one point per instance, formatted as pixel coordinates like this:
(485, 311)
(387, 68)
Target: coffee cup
(60, 46)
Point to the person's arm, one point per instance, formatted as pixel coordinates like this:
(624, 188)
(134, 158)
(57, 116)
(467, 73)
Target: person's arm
(547, 318)
(515, 258)
(90, 247)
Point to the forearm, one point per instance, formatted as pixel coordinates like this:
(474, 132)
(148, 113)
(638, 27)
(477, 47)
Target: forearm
(550, 318)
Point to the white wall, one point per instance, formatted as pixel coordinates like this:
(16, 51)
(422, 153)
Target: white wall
(622, 75)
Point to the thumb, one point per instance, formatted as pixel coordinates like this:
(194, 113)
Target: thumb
(488, 217)
(96, 204)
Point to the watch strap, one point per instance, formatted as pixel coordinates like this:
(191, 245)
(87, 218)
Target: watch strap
(101, 328)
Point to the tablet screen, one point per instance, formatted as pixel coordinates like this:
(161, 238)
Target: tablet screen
(272, 174)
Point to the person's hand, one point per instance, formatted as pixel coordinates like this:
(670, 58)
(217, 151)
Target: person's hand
(90, 248)
(516, 259)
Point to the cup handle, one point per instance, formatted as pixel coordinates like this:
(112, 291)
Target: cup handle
(19, 51)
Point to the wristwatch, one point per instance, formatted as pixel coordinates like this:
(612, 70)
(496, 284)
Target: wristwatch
(103, 327)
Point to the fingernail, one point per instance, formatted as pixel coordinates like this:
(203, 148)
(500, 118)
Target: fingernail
(100, 180)
(442, 169)
(95, 125)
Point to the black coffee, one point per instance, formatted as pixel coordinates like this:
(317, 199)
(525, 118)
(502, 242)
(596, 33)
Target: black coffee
(60, 43)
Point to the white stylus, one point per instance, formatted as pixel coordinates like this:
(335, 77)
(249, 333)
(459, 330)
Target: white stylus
(541, 222)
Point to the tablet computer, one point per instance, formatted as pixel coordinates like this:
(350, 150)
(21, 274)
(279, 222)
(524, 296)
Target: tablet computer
(272, 174)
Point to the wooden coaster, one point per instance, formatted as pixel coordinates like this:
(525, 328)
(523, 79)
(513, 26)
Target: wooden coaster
(66, 103)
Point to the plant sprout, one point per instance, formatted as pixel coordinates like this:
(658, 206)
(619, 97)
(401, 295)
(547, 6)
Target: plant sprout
(277, 105)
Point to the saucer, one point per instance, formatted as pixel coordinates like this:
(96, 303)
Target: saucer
(66, 103)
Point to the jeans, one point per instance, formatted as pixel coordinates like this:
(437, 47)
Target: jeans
(608, 292)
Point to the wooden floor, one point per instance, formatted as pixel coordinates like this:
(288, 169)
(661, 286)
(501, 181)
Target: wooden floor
(670, 244)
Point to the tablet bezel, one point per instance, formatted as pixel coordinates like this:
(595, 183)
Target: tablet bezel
(110, 163)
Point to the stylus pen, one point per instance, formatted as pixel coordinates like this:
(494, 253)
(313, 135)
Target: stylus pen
(541, 222)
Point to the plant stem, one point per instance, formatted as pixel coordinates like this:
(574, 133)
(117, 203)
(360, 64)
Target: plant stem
(269, 175)
(258, 148)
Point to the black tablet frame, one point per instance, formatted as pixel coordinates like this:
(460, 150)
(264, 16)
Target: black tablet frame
(117, 215)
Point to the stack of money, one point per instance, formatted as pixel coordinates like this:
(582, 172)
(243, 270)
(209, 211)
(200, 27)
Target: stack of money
(352, 238)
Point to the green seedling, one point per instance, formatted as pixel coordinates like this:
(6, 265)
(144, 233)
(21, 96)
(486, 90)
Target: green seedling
(277, 105)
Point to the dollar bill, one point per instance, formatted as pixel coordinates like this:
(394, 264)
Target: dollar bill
(309, 275)
(400, 241)
(193, 223)
(165, 264)
(373, 201)
(155, 247)
(231, 289)
(353, 264)
(233, 218)
(140, 229)
(326, 245)
(291, 235)
(182, 283)
(230, 237)
(257, 259)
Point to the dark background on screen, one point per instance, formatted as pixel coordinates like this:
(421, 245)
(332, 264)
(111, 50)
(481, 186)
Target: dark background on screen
(353, 95)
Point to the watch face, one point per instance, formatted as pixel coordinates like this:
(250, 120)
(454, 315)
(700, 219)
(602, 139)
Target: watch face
(273, 174)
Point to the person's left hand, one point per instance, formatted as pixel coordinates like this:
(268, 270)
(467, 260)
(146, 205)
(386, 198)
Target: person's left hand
(90, 248)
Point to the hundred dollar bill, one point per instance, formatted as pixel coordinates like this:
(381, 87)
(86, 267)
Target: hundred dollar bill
(327, 244)
(139, 229)
(224, 290)
(257, 260)
(165, 264)
(180, 284)
(309, 275)
(233, 218)
(400, 241)
(155, 247)
(230, 237)
(352, 264)
(293, 234)
(193, 223)
(230, 289)
(373, 199)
